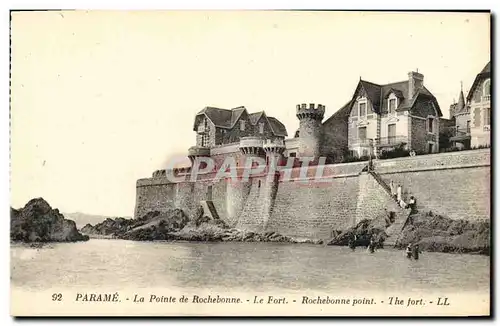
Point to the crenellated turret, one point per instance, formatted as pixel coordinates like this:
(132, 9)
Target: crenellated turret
(310, 130)
(311, 111)
(274, 150)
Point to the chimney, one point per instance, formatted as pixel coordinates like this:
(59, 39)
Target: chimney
(415, 82)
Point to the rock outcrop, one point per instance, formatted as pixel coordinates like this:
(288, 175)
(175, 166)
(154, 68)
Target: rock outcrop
(364, 231)
(437, 233)
(38, 222)
(430, 231)
(174, 225)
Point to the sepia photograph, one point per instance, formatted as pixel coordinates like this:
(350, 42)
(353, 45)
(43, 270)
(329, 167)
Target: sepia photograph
(250, 163)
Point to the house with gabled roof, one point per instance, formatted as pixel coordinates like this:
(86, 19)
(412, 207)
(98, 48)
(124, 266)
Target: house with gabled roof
(479, 104)
(401, 114)
(472, 115)
(215, 126)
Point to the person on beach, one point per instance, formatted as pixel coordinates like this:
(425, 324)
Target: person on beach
(415, 252)
(409, 251)
(352, 242)
(371, 246)
(399, 196)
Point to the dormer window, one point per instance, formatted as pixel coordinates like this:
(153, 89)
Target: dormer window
(392, 103)
(242, 125)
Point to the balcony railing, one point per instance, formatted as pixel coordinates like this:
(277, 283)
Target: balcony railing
(392, 140)
(486, 128)
(486, 98)
(462, 132)
(361, 141)
(198, 151)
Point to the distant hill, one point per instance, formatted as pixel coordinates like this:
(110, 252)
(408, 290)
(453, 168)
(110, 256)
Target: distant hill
(81, 219)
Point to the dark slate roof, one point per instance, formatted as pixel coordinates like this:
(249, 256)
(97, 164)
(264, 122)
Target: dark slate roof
(397, 92)
(254, 117)
(484, 74)
(372, 92)
(277, 127)
(486, 69)
(224, 118)
(342, 113)
(236, 114)
(460, 108)
(378, 94)
(220, 117)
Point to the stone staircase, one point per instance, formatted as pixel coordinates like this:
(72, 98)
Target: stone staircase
(209, 209)
(401, 218)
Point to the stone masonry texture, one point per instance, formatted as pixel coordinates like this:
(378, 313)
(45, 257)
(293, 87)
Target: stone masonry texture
(456, 185)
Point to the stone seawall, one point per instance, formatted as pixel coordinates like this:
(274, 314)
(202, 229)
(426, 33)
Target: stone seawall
(456, 185)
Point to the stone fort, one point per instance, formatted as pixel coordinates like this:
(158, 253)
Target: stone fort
(454, 184)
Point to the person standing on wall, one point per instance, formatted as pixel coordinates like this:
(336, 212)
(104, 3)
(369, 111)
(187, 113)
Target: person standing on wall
(393, 190)
(399, 196)
(412, 204)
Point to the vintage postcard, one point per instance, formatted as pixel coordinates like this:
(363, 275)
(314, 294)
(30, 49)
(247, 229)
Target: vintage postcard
(250, 163)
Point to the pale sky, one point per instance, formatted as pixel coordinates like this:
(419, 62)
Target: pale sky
(101, 99)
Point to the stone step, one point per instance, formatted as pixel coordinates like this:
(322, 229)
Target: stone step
(393, 232)
(209, 209)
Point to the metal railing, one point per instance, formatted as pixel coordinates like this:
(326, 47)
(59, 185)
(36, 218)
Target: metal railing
(486, 98)
(462, 132)
(361, 141)
(392, 140)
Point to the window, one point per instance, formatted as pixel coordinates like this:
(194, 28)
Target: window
(204, 140)
(486, 117)
(468, 126)
(362, 133)
(261, 127)
(477, 117)
(486, 88)
(362, 109)
(430, 124)
(242, 125)
(293, 154)
(391, 133)
(392, 105)
(259, 183)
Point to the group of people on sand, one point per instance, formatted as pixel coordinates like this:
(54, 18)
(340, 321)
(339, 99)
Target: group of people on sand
(412, 251)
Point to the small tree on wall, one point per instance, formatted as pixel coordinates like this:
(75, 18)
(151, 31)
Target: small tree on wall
(444, 137)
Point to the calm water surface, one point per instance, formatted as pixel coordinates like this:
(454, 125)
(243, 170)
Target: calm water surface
(255, 266)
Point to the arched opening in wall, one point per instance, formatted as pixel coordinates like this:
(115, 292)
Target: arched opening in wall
(209, 193)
